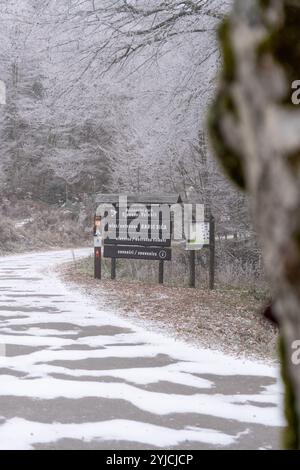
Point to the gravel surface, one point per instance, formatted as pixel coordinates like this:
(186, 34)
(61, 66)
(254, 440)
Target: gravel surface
(229, 320)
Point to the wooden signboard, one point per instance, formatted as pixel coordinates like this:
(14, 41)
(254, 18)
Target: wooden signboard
(137, 252)
(138, 227)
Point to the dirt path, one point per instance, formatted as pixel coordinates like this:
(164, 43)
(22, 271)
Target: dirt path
(230, 320)
(74, 374)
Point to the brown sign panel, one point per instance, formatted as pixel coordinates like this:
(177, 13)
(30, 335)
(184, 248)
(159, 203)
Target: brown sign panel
(159, 242)
(137, 252)
(135, 226)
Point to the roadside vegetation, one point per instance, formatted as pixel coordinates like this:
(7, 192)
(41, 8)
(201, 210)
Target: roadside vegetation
(30, 225)
(228, 319)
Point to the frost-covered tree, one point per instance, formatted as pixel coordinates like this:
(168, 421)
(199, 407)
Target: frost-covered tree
(160, 54)
(53, 144)
(123, 90)
(23, 116)
(255, 130)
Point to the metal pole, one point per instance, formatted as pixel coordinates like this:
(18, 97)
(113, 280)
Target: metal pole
(97, 263)
(212, 254)
(113, 268)
(161, 272)
(192, 282)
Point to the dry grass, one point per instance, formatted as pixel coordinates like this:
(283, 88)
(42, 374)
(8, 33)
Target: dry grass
(28, 225)
(225, 319)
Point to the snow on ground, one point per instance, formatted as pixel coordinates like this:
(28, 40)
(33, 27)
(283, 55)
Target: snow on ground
(131, 385)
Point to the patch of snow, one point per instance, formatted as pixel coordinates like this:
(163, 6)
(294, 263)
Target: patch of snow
(58, 318)
(23, 222)
(22, 435)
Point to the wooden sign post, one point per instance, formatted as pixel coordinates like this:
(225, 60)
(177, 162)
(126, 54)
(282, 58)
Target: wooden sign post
(161, 272)
(152, 236)
(192, 262)
(212, 254)
(207, 239)
(97, 263)
(113, 269)
(97, 248)
(135, 232)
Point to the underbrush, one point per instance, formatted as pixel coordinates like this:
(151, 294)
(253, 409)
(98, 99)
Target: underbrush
(228, 319)
(28, 225)
(230, 273)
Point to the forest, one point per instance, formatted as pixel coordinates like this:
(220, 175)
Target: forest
(111, 96)
(196, 98)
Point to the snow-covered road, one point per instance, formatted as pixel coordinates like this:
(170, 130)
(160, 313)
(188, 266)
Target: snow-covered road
(73, 375)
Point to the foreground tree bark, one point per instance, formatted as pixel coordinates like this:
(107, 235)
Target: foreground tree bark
(255, 130)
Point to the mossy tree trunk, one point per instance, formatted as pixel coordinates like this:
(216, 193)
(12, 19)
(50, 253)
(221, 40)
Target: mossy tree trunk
(255, 130)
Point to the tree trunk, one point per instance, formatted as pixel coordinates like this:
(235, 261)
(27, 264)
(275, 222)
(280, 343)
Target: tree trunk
(255, 130)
